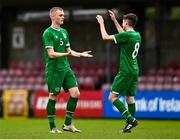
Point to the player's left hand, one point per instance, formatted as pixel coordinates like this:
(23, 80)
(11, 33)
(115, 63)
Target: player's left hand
(100, 19)
(86, 54)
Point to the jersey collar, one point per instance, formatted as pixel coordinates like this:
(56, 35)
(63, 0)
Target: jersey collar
(55, 28)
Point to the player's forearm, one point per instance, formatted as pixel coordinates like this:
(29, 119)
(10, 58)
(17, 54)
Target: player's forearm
(75, 54)
(57, 55)
(118, 26)
(104, 34)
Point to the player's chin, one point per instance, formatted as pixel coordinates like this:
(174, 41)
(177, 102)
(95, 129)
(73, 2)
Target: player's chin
(61, 22)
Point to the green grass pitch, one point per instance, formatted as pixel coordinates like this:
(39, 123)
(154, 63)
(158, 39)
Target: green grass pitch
(91, 129)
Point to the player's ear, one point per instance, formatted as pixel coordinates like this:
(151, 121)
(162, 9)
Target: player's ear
(126, 22)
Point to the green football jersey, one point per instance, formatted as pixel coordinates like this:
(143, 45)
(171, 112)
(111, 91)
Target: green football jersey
(58, 40)
(129, 43)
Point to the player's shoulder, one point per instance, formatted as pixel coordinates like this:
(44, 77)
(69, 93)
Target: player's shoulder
(47, 31)
(132, 33)
(123, 33)
(64, 30)
(137, 34)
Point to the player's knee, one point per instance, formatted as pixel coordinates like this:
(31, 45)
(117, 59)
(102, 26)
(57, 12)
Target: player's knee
(75, 94)
(112, 98)
(53, 97)
(130, 99)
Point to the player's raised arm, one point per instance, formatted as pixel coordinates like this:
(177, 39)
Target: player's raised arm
(53, 54)
(79, 54)
(104, 34)
(113, 18)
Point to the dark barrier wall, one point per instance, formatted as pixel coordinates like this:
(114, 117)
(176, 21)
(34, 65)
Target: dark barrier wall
(149, 105)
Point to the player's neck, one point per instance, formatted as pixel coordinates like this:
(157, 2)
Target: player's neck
(129, 29)
(56, 26)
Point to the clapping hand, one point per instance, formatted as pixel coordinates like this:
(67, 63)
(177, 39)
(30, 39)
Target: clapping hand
(86, 54)
(112, 15)
(99, 19)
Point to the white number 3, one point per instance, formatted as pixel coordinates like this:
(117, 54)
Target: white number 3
(136, 49)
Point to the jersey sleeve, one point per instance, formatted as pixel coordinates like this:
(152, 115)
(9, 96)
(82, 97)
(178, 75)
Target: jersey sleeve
(67, 41)
(120, 38)
(48, 40)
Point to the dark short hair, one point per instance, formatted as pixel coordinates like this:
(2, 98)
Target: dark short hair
(132, 19)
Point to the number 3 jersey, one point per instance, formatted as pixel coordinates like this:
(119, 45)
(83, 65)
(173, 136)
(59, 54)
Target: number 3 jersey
(129, 43)
(58, 40)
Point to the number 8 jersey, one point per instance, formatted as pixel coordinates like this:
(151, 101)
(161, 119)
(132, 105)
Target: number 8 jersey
(129, 43)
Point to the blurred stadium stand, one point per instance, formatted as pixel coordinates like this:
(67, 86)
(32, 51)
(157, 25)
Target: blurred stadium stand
(163, 79)
(22, 66)
(90, 76)
(31, 76)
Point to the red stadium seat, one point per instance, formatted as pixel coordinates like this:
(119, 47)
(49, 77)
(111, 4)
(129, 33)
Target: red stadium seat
(158, 86)
(169, 72)
(176, 87)
(177, 72)
(168, 78)
(160, 72)
(141, 86)
(149, 86)
(152, 72)
(151, 78)
(159, 79)
(167, 86)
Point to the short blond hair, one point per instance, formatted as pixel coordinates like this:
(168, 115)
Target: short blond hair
(53, 10)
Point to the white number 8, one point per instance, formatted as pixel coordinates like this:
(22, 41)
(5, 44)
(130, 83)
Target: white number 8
(136, 49)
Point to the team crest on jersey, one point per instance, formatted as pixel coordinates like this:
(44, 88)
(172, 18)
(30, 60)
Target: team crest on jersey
(57, 89)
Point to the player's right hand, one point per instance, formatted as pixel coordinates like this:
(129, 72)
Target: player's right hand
(86, 54)
(112, 15)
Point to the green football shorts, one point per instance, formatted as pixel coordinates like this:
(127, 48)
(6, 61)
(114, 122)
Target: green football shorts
(57, 79)
(124, 84)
